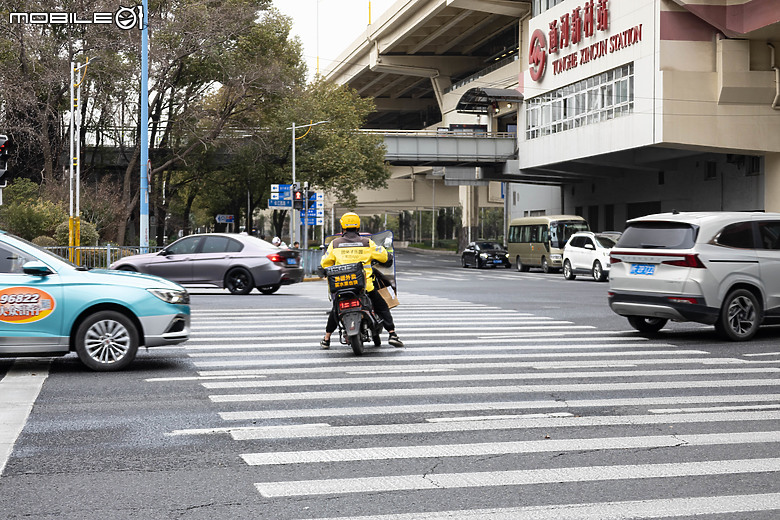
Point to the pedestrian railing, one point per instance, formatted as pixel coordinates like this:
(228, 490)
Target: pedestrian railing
(310, 259)
(98, 257)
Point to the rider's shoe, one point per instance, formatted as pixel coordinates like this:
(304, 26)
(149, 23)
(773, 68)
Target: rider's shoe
(394, 341)
(324, 344)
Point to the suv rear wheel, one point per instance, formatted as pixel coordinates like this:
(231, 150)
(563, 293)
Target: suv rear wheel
(644, 324)
(740, 316)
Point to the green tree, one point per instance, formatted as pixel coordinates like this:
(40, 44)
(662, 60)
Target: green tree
(25, 214)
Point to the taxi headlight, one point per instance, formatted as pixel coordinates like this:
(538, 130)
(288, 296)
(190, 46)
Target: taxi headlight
(174, 296)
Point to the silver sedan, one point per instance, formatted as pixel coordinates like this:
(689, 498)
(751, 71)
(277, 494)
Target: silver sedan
(236, 262)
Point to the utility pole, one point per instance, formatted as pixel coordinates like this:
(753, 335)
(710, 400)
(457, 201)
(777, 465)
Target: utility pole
(74, 220)
(145, 166)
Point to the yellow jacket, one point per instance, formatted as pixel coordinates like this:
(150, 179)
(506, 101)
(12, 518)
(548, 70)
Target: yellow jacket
(351, 248)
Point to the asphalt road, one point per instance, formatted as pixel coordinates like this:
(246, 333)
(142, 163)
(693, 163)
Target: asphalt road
(519, 395)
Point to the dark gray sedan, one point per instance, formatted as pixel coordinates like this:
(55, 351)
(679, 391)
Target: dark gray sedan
(236, 262)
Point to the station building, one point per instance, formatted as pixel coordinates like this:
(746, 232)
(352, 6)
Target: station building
(619, 108)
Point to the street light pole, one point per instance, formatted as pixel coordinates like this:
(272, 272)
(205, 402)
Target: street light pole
(305, 215)
(144, 195)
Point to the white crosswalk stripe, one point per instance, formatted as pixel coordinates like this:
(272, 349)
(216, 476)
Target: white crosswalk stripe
(493, 383)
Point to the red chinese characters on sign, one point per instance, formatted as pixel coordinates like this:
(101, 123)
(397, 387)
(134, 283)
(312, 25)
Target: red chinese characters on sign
(581, 23)
(572, 30)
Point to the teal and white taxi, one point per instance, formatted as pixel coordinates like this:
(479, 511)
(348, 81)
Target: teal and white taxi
(49, 306)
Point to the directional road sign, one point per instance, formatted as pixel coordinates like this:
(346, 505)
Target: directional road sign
(225, 219)
(282, 203)
(314, 221)
(275, 188)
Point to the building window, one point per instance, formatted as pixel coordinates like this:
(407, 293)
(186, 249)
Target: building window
(599, 98)
(540, 6)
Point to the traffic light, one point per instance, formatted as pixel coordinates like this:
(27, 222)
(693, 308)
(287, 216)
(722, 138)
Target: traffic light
(297, 199)
(5, 146)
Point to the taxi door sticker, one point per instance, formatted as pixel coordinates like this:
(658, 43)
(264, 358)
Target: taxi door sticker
(25, 305)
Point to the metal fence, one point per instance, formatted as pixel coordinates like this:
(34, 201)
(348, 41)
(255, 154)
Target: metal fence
(98, 257)
(310, 259)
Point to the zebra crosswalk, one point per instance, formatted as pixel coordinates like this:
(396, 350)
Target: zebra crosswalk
(487, 413)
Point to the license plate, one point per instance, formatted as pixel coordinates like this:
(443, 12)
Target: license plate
(291, 261)
(496, 261)
(643, 269)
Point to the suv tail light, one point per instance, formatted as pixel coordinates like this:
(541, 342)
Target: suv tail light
(691, 260)
(678, 259)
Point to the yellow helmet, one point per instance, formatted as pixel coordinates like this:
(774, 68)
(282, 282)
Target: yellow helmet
(350, 220)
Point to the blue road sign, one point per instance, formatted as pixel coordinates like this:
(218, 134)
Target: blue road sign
(283, 203)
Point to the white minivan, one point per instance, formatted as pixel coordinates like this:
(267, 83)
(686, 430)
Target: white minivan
(719, 268)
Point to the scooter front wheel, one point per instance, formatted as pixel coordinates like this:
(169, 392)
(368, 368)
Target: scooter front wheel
(356, 342)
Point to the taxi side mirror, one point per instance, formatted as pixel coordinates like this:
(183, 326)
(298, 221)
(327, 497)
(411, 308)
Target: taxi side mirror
(36, 268)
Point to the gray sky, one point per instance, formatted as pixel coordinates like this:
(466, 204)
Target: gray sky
(339, 21)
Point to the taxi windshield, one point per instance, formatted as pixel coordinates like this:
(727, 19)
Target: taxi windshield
(43, 255)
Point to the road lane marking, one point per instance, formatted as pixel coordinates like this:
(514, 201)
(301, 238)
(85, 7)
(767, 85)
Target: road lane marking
(507, 448)
(373, 380)
(433, 481)
(304, 349)
(635, 509)
(313, 343)
(715, 409)
(18, 391)
(477, 423)
(507, 365)
(441, 408)
(349, 359)
(490, 390)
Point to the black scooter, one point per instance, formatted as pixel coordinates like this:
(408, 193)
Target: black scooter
(358, 324)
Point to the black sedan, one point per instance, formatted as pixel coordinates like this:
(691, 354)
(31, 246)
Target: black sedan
(485, 254)
(239, 263)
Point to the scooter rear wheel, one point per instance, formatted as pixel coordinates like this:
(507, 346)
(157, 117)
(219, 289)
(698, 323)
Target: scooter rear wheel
(356, 342)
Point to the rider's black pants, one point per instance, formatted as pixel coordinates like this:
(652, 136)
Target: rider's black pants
(380, 307)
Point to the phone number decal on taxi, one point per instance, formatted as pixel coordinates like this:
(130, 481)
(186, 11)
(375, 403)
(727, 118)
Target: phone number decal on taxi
(24, 305)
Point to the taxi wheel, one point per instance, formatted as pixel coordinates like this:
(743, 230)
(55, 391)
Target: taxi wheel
(106, 341)
(239, 281)
(269, 289)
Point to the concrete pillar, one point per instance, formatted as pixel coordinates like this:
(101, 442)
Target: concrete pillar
(469, 203)
(772, 182)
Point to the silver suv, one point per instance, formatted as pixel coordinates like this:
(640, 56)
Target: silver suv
(720, 268)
